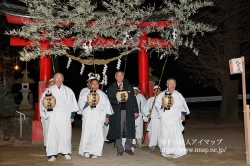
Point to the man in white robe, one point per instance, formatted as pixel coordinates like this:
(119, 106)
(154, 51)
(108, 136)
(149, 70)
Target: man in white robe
(91, 77)
(59, 131)
(94, 118)
(154, 123)
(172, 141)
(43, 120)
(141, 101)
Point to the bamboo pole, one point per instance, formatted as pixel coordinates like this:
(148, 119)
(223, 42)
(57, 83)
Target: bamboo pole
(246, 112)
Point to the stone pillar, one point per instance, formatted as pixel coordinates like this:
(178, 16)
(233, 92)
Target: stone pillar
(25, 104)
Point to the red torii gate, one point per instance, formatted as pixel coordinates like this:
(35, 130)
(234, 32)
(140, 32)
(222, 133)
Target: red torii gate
(142, 54)
(45, 61)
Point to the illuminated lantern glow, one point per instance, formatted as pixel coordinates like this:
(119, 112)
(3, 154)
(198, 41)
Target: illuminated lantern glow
(93, 98)
(167, 101)
(49, 101)
(122, 95)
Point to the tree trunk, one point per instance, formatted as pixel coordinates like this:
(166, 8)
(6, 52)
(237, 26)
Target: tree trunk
(230, 104)
(230, 84)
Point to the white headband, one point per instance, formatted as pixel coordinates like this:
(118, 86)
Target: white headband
(92, 78)
(136, 89)
(51, 80)
(157, 87)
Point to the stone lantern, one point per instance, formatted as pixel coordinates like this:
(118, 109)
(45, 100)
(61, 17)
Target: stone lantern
(25, 81)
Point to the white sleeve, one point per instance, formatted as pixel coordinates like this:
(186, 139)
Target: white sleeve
(146, 110)
(82, 100)
(42, 109)
(158, 104)
(74, 105)
(108, 106)
(184, 106)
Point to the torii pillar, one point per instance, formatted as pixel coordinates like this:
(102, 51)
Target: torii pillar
(143, 63)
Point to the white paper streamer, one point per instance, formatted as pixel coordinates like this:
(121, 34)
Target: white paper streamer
(118, 64)
(82, 69)
(68, 64)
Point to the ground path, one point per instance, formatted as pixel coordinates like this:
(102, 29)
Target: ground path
(227, 139)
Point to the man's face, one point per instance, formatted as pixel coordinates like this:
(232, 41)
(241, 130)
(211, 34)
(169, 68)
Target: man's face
(58, 79)
(94, 84)
(171, 85)
(119, 77)
(157, 91)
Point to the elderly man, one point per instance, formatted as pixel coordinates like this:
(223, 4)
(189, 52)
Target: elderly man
(151, 116)
(122, 122)
(60, 119)
(141, 101)
(94, 118)
(172, 114)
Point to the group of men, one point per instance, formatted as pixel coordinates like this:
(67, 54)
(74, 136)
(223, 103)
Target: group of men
(124, 118)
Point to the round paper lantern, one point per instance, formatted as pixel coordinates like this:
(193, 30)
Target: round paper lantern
(122, 95)
(49, 101)
(167, 100)
(93, 98)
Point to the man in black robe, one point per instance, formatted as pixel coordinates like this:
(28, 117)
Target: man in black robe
(122, 122)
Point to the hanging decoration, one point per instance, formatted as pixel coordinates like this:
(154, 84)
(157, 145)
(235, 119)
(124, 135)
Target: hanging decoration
(69, 62)
(118, 64)
(104, 80)
(82, 69)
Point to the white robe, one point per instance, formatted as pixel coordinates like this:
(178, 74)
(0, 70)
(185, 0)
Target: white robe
(81, 96)
(154, 127)
(45, 124)
(141, 101)
(172, 141)
(92, 139)
(105, 132)
(58, 121)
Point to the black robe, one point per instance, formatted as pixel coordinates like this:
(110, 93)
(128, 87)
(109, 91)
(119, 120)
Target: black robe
(131, 108)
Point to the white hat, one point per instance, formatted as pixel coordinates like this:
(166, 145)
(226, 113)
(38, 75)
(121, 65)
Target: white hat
(51, 80)
(91, 78)
(156, 87)
(136, 89)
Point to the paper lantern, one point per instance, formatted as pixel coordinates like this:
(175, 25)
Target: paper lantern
(49, 101)
(235, 66)
(167, 100)
(93, 98)
(122, 95)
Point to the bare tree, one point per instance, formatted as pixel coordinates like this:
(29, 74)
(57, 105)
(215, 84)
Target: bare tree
(230, 40)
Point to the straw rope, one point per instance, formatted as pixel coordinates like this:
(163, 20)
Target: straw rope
(99, 61)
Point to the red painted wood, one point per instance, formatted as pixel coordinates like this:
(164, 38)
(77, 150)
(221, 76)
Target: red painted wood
(37, 132)
(18, 19)
(101, 42)
(143, 63)
(151, 88)
(36, 113)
